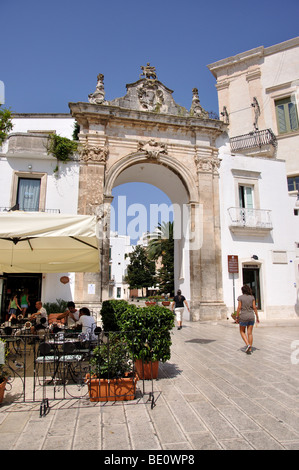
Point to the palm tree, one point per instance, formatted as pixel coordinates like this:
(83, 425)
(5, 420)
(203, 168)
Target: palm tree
(161, 246)
(158, 240)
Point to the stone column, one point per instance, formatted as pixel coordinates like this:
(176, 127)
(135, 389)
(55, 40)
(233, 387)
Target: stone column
(90, 286)
(206, 262)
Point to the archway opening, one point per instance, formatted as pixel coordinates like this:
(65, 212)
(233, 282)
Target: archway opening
(144, 195)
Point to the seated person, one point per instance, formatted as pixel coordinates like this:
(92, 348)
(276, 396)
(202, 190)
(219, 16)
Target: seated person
(87, 322)
(38, 316)
(71, 315)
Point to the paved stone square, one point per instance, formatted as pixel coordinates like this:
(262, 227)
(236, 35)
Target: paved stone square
(209, 396)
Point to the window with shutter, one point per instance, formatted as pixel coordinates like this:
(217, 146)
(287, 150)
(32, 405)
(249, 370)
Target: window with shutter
(286, 114)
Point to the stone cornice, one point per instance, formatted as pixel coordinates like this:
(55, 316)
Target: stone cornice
(87, 112)
(255, 53)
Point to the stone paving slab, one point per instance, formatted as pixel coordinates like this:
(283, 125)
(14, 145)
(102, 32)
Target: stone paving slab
(209, 396)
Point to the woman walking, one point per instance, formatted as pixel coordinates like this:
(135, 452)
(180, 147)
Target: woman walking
(24, 301)
(245, 316)
(178, 307)
(13, 307)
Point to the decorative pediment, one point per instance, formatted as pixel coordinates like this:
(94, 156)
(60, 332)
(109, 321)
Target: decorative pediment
(150, 96)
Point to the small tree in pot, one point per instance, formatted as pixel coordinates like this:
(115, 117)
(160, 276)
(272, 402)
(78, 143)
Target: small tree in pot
(147, 332)
(111, 376)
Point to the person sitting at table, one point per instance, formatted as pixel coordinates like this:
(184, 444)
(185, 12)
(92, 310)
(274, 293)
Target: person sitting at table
(87, 322)
(38, 316)
(71, 315)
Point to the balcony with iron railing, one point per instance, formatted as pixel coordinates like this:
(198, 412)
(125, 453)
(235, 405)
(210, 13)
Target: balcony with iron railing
(16, 208)
(261, 142)
(255, 222)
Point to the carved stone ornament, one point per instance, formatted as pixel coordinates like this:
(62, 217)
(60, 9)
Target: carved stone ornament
(98, 96)
(150, 96)
(148, 71)
(152, 149)
(94, 154)
(196, 108)
(207, 164)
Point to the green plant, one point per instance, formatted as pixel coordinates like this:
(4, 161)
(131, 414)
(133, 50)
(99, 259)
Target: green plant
(55, 307)
(111, 360)
(110, 313)
(141, 270)
(61, 148)
(5, 124)
(4, 374)
(76, 131)
(146, 330)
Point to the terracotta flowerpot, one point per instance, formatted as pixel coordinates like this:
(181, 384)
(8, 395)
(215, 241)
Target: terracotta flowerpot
(121, 389)
(150, 303)
(166, 303)
(147, 370)
(2, 389)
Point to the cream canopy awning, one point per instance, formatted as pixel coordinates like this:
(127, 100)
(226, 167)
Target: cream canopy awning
(36, 242)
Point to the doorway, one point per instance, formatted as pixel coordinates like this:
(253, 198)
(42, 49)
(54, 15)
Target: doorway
(17, 283)
(251, 277)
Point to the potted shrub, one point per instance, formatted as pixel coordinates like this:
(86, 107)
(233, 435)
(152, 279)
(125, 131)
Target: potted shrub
(110, 313)
(3, 372)
(149, 303)
(111, 376)
(147, 332)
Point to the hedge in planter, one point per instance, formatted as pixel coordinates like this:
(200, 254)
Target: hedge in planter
(110, 313)
(111, 377)
(147, 332)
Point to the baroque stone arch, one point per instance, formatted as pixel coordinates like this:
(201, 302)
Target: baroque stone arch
(140, 132)
(175, 180)
(165, 161)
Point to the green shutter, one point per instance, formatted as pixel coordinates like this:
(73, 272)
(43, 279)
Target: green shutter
(287, 117)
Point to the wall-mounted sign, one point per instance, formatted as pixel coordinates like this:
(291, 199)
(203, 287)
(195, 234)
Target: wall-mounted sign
(64, 279)
(233, 264)
(91, 289)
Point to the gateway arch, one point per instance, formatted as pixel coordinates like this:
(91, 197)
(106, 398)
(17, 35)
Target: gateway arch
(146, 137)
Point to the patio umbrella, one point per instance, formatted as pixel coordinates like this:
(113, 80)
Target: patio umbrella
(36, 242)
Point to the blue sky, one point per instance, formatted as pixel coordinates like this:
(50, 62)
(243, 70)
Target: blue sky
(53, 51)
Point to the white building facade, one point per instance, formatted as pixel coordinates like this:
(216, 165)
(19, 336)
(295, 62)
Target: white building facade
(119, 249)
(258, 92)
(28, 179)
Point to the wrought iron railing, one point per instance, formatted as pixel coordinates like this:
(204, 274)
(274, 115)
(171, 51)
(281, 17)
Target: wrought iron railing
(254, 139)
(15, 208)
(250, 218)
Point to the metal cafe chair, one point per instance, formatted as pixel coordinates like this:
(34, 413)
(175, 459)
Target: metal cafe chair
(70, 361)
(46, 356)
(10, 339)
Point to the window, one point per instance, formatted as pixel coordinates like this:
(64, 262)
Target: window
(286, 114)
(28, 194)
(246, 197)
(293, 183)
(29, 190)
